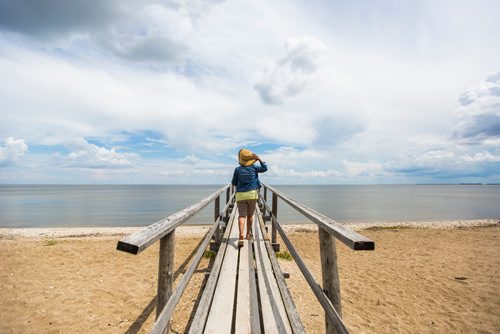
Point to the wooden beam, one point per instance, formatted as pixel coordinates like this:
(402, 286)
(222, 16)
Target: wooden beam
(291, 310)
(330, 274)
(164, 317)
(220, 317)
(274, 316)
(165, 271)
(275, 214)
(217, 235)
(315, 287)
(352, 239)
(201, 314)
(139, 241)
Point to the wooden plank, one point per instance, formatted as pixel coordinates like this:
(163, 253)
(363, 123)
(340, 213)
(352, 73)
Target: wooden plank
(274, 317)
(315, 287)
(275, 214)
(201, 314)
(293, 314)
(220, 317)
(352, 239)
(165, 271)
(162, 320)
(243, 317)
(330, 274)
(247, 310)
(139, 241)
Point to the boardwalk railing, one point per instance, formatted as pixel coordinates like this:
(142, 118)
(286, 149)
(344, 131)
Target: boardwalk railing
(256, 268)
(328, 230)
(164, 231)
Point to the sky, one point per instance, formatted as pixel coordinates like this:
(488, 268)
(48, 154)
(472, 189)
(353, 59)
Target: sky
(326, 91)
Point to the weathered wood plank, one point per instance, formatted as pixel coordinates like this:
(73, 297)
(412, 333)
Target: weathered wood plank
(243, 317)
(165, 271)
(275, 214)
(330, 274)
(164, 317)
(220, 317)
(291, 310)
(139, 241)
(352, 239)
(200, 317)
(274, 317)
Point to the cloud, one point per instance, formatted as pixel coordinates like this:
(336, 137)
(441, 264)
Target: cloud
(12, 150)
(356, 168)
(292, 73)
(480, 112)
(48, 19)
(152, 32)
(87, 155)
(484, 156)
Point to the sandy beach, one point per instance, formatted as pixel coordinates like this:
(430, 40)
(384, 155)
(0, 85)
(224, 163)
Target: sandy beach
(434, 277)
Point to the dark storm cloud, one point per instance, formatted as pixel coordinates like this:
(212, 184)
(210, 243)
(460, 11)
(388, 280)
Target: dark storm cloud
(51, 18)
(111, 27)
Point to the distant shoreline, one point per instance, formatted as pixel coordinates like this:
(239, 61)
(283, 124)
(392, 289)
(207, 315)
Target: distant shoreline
(200, 230)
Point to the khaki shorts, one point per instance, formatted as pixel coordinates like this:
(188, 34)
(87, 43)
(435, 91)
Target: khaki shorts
(246, 207)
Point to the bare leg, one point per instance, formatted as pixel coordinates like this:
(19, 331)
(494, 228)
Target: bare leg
(249, 225)
(241, 223)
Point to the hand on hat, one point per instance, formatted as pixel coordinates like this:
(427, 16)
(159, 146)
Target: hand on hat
(256, 157)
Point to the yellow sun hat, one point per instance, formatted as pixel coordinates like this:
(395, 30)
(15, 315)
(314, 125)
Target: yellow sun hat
(246, 157)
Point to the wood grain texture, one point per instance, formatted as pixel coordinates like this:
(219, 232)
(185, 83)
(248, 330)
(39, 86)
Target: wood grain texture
(330, 274)
(165, 271)
(201, 314)
(291, 310)
(220, 317)
(274, 316)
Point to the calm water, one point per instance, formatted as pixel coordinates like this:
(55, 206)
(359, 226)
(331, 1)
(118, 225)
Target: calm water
(141, 205)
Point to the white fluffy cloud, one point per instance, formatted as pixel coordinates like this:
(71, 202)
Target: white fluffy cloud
(87, 155)
(480, 111)
(12, 150)
(291, 73)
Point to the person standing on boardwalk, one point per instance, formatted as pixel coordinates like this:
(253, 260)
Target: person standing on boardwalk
(246, 180)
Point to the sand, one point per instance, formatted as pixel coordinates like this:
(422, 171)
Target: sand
(422, 278)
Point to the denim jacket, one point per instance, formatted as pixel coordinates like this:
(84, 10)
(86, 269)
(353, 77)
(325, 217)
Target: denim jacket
(247, 178)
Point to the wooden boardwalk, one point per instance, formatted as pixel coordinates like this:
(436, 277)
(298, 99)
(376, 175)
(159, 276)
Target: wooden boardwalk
(246, 290)
(242, 290)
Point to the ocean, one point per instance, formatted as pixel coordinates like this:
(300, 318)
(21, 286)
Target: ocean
(142, 205)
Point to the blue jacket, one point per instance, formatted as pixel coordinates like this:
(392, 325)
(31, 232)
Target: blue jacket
(247, 178)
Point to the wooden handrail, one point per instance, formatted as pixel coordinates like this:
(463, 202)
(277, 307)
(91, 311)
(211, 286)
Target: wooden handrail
(323, 299)
(352, 239)
(141, 240)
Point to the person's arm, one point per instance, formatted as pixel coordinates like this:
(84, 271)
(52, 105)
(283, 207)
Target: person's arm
(234, 181)
(263, 166)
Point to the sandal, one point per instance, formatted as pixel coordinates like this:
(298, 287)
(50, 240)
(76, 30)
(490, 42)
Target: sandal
(249, 236)
(240, 241)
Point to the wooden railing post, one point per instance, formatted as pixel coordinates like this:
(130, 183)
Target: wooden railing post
(331, 283)
(165, 271)
(276, 246)
(216, 216)
(265, 201)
